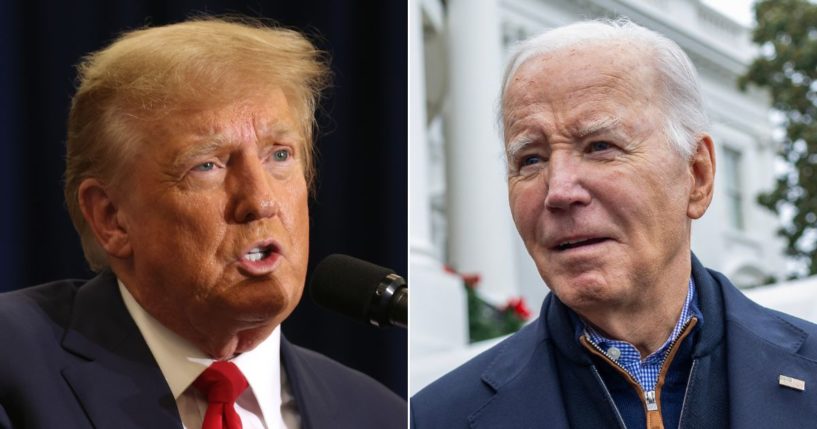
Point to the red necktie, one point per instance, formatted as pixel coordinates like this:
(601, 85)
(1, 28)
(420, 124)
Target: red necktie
(222, 383)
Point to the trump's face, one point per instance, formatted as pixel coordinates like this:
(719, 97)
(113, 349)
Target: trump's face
(215, 212)
(602, 202)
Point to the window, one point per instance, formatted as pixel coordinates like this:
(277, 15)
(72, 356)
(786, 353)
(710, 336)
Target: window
(734, 194)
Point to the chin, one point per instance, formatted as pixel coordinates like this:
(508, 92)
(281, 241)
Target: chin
(262, 299)
(581, 291)
(259, 314)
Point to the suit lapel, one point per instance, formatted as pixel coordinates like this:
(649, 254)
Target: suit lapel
(313, 397)
(524, 378)
(762, 347)
(118, 382)
(527, 393)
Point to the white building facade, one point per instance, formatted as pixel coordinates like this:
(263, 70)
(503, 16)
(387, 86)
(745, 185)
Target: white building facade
(458, 197)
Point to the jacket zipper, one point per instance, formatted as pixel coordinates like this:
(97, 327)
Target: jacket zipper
(651, 399)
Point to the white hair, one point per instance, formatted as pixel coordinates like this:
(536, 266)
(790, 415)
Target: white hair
(679, 92)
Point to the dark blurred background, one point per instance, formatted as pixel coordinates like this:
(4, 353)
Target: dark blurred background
(361, 202)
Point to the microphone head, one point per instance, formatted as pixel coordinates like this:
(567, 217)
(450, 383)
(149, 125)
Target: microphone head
(345, 284)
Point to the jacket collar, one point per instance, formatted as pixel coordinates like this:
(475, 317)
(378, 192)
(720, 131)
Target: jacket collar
(525, 385)
(314, 398)
(522, 378)
(761, 346)
(709, 333)
(117, 381)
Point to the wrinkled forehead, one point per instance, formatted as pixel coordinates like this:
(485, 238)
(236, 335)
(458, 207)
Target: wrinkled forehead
(581, 90)
(268, 115)
(616, 66)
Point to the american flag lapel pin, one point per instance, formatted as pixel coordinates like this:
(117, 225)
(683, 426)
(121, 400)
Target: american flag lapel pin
(792, 383)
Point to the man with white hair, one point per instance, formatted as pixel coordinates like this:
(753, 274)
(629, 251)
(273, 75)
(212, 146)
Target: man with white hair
(608, 163)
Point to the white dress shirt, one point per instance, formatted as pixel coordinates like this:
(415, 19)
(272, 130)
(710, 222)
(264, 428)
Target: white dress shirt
(266, 404)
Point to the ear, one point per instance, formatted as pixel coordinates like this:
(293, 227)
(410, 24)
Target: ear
(104, 218)
(702, 177)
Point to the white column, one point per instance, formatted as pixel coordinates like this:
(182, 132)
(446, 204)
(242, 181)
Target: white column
(438, 314)
(479, 223)
(422, 249)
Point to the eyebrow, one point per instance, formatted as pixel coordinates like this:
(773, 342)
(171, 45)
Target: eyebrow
(280, 131)
(596, 126)
(210, 143)
(205, 146)
(519, 144)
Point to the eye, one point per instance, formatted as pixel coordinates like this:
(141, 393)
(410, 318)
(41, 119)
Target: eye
(530, 160)
(205, 166)
(599, 146)
(281, 155)
(528, 164)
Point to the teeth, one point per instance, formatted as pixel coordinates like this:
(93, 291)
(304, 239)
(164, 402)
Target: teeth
(255, 254)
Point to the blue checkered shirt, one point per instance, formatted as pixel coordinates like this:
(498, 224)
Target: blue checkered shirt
(644, 371)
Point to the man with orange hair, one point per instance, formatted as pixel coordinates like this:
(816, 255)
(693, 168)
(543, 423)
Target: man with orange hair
(188, 172)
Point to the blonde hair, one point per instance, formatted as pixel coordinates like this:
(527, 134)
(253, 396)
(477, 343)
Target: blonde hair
(150, 73)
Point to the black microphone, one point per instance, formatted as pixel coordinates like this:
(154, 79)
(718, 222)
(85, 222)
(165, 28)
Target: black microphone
(361, 290)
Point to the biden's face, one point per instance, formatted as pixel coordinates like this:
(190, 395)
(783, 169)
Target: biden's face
(600, 199)
(215, 209)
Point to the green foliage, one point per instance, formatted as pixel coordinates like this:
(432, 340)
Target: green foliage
(486, 321)
(787, 67)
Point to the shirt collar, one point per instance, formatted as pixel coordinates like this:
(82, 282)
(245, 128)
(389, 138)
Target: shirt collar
(181, 362)
(689, 309)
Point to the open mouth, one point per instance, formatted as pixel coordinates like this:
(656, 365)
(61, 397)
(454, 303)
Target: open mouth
(579, 243)
(258, 253)
(260, 260)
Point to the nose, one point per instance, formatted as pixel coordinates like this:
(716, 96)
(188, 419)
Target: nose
(253, 192)
(564, 187)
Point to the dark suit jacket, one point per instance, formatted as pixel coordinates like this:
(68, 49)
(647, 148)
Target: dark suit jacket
(72, 357)
(540, 378)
